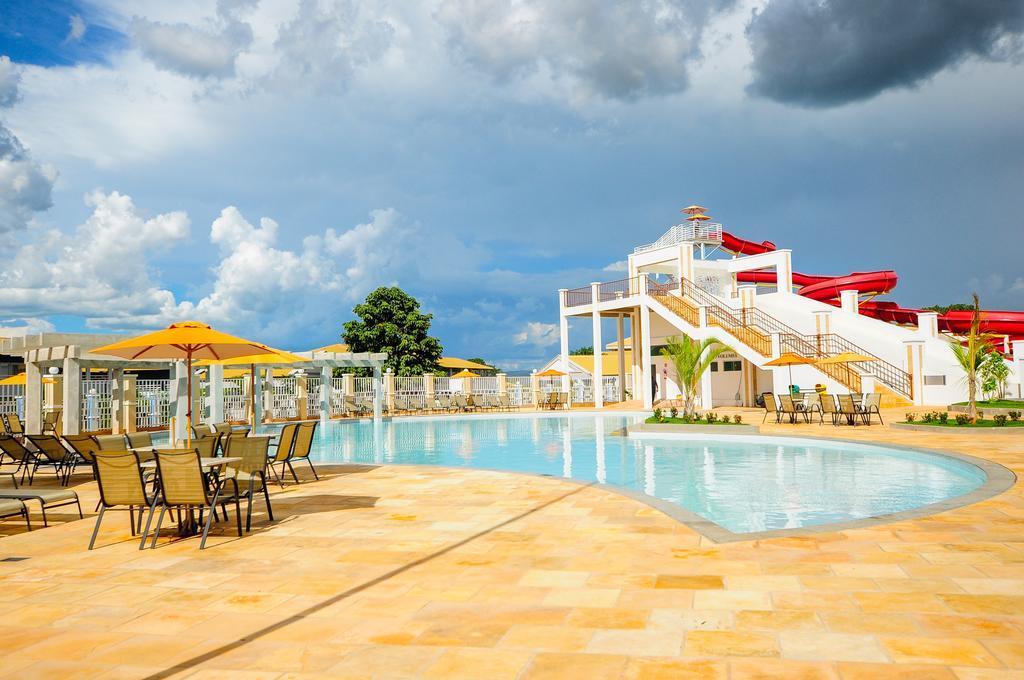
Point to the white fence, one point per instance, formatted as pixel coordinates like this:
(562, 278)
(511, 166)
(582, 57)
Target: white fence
(153, 408)
(236, 398)
(96, 399)
(283, 398)
(409, 386)
(12, 400)
(520, 390)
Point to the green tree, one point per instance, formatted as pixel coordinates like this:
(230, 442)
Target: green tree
(970, 353)
(390, 321)
(994, 374)
(690, 359)
(586, 351)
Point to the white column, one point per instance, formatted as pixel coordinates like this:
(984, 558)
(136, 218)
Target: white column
(563, 341)
(72, 397)
(325, 394)
(257, 397)
(849, 301)
(747, 293)
(216, 397)
(1018, 365)
(784, 272)
(33, 398)
(598, 374)
(915, 367)
(179, 390)
(645, 357)
(928, 324)
(619, 326)
(684, 260)
(377, 389)
(117, 399)
(706, 397)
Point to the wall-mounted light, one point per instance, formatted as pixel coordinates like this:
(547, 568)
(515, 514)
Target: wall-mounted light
(53, 370)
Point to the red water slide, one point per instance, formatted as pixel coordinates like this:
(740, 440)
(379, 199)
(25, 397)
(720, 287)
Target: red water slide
(827, 289)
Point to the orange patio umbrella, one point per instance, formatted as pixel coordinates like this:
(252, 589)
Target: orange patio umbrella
(697, 218)
(790, 359)
(186, 340)
(466, 374)
(693, 209)
(551, 373)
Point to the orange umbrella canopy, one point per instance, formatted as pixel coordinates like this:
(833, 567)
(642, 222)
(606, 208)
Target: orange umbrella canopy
(550, 373)
(465, 374)
(693, 209)
(184, 340)
(697, 218)
(790, 359)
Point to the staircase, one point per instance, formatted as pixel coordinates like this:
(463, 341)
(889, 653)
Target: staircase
(754, 328)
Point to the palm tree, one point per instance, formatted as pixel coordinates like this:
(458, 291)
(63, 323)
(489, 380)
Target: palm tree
(970, 354)
(690, 359)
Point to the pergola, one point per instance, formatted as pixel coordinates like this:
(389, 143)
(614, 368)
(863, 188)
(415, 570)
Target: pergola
(70, 352)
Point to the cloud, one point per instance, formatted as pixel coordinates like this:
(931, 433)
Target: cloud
(538, 334)
(192, 51)
(76, 29)
(25, 186)
(618, 266)
(831, 52)
(10, 76)
(616, 49)
(100, 271)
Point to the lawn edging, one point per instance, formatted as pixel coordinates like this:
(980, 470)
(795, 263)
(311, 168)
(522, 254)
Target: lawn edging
(958, 429)
(697, 428)
(962, 408)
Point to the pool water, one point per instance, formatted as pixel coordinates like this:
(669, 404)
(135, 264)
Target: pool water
(744, 484)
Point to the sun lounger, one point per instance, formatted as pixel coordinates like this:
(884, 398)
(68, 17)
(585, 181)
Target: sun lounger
(49, 451)
(13, 425)
(25, 459)
(48, 499)
(12, 507)
(828, 408)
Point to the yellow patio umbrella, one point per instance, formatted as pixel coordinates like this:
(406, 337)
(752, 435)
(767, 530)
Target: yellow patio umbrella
(551, 373)
(466, 374)
(693, 209)
(21, 379)
(790, 359)
(697, 218)
(188, 340)
(273, 357)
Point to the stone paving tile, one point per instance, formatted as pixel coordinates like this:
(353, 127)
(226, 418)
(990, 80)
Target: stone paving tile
(363, 575)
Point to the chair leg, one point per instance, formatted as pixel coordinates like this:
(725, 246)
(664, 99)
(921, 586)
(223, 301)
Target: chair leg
(159, 521)
(96, 529)
(310, 463)
(292, 470)
(149, 521)
(209, 519)
(248, 506)
(131, 517)
(266, 497)
(238, 507)
(78, 504)
(42, 509)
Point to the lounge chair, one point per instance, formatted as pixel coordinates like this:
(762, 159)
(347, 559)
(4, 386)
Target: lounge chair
(121, 482)
(400, 405)
(201, 431)
(848, 409)
(562, 401)
(250, 473)
(140, 440)
(789, 408)
(283, 450)
(223, 429)
(872, 404)
(85, 445)
(184, 487)
(48, 499)
(13, 425)
(49, 451)
(504, 403)
(17, 451)
(828, 407)
(770, 407)
(111, 442)
(51, 420)
(12, 507)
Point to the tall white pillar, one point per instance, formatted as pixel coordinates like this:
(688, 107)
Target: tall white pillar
(179, 395)
(1018, 365)
(645, 357)
(33, 398)
(706, 397)
(325, 394)
(849, 301)
(257, 399)
(915, 367)
(621, 340)
(117, 401)
(928, 324)
(377, 390)
(216, 373)
(72, 397)
(784, 272)
(598, 374)
(563, 341)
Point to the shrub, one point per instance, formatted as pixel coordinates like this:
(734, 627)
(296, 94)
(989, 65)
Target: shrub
(910, 417)
(657, 415)
(1014, 416)
(1000, 420)
(981, 414)
(711, 417)
(738, 419)
(962, 419)
(674, 412)
(927, 417)
(943, 417)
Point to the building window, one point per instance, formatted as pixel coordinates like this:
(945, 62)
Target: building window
(935, 380)
(714, 367)
(732, 365)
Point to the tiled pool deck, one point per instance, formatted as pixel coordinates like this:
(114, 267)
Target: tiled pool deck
(393, 572)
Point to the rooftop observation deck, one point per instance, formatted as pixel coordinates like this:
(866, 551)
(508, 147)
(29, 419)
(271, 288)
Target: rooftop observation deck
(693, 232)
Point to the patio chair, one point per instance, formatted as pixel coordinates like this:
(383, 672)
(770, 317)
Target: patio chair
(812, 406)
(503, 403)
(201, 431)
(250, 473)
(283, 450)
(120, 479)
(51, 421)
(13, 425)
(111, 442)
(49, 451)
(770, 407)
(184, 487)
(223, 429)
(302, 448)
(12, 507)
(872, 404)
(208, 446)
(25, 459)
(48, 499)
(828, 408)
(848, 409)
(788, 408)
(562, 401)
(140, 440)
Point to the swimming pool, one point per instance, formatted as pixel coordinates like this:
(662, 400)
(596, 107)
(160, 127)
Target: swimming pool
(744, 484)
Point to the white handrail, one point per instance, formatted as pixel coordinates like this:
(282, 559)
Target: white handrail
(704, 231)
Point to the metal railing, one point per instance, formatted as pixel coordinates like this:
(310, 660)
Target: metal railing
(690, 231)
(96, 405)
(609, 290)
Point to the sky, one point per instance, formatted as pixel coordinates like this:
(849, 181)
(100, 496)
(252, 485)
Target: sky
(263, 165)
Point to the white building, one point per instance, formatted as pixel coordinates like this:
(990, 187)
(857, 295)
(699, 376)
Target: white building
(692, 281)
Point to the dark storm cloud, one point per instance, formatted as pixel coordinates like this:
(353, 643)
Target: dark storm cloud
(829, 52)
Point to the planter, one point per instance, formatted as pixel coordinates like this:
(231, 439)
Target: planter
(672, 428)
(962, 429)
(989, 412)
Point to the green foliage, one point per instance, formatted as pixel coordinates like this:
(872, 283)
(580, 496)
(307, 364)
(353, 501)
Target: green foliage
(1014, 416)
(658, 415)
(1000, 420)
(690, 359)
(909, 417)
(970, 355)
(583, 351)
(737, 419)
(994, 374)
(673, 412)
(962, 419)
(390, 321)
(955, 307)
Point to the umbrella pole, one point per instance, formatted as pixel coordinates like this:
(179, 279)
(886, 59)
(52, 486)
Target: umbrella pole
(188, 411)
(252, 394)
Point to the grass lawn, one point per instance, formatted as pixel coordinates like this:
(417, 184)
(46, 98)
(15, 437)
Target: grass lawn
(666, 420)
(996, 403)
(980, 423)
